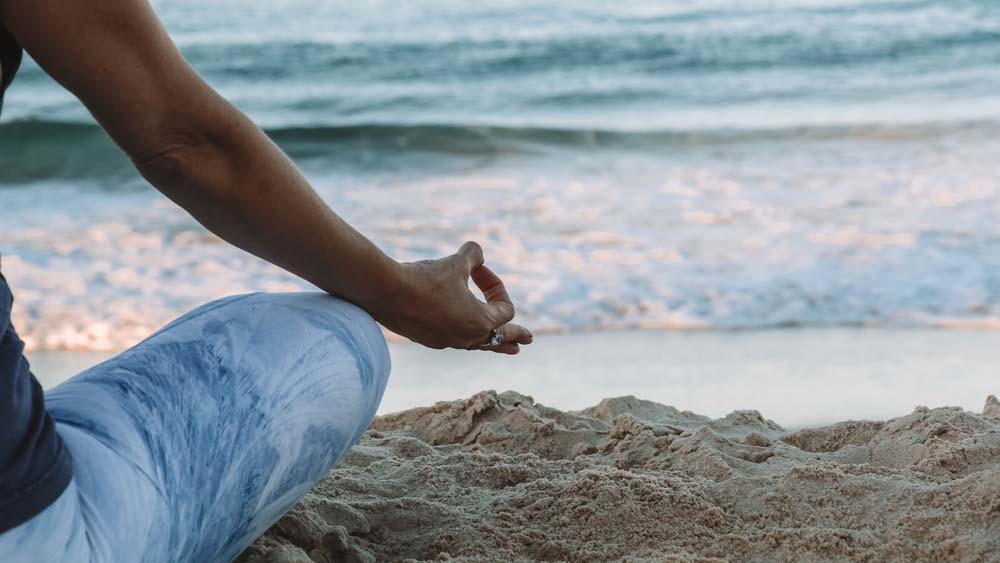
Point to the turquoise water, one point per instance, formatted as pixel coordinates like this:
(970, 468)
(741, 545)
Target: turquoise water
(678, 165)
(334, 68)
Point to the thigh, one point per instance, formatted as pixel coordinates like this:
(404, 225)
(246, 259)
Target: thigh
(55, 534)
(199, 438)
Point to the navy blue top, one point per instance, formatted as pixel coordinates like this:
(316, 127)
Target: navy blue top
(10, 60)
(35, 466)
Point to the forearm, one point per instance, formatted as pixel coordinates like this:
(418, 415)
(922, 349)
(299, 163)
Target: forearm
(208, 157)
(242, 187)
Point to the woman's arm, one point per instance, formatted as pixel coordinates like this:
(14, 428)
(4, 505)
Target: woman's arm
(208, 157)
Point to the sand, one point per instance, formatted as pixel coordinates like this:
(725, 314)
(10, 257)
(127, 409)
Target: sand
(499, 477)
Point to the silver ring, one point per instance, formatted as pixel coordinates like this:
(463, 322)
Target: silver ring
(496, 337)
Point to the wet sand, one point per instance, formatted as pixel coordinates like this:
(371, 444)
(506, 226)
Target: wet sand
(801, 377)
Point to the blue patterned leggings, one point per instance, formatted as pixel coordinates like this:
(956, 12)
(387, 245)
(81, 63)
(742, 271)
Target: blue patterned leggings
(190, 445)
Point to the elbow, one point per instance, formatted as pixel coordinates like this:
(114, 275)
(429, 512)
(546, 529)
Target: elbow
(171, 158)
(184, 165)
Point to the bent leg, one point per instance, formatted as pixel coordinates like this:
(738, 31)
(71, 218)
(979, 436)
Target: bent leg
(191, 444)
(55, 534)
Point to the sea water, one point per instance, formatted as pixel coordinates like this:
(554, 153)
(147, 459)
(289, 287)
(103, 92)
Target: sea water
(702, 164)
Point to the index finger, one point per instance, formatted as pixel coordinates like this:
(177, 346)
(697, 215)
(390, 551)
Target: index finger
(490, 284)
(494, 291)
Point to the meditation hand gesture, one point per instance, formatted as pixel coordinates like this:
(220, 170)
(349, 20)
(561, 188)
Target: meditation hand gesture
(436, 308)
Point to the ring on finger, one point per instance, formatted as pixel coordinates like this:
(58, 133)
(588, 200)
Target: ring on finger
(496, 337)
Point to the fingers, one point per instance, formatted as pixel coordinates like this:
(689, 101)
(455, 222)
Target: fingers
(517, 333)
(514, 336)
(490, 284)
(500, 308)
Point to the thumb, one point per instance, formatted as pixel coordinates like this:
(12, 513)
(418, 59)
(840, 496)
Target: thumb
(472, 254)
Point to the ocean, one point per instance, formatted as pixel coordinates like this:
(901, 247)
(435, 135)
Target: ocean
(709, 165)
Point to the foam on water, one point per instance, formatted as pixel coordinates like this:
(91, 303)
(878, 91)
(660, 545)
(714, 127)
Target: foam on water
(704, 165)
(750, 235)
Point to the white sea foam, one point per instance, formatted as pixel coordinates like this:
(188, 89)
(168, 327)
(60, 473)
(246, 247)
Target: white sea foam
(733, 164)
(749, 235)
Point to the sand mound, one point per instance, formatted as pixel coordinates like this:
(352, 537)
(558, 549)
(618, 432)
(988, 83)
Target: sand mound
(499, 477)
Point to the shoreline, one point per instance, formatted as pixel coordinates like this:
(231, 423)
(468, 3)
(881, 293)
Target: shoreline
(800, 377)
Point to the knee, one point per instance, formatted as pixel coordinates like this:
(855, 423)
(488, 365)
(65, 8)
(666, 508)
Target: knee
(329, 349)
(280, 333)
(324, 315)
(315, 325)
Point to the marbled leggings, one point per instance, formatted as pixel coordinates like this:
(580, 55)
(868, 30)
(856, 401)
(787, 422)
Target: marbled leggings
(190, 445)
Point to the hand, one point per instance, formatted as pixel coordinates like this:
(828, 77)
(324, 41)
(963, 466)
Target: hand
(434, 307)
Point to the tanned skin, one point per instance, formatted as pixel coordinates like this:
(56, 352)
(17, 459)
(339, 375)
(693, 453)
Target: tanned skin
(208, 157)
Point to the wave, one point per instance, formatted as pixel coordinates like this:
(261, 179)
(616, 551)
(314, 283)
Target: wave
(35, 150)
(651, 48)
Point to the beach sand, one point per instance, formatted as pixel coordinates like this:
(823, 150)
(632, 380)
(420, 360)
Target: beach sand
(500, 477)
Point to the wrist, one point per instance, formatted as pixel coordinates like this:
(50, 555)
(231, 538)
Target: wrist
(388, 289)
